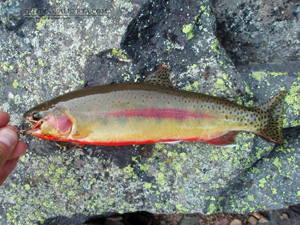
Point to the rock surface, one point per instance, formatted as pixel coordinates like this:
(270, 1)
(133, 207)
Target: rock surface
(44, 57)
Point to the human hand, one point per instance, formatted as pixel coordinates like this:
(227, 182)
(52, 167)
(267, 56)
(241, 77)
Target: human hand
(10, 147)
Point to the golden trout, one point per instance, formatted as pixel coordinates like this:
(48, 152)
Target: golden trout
(149, 112)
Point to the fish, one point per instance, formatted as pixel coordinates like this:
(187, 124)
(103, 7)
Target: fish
(152, 111)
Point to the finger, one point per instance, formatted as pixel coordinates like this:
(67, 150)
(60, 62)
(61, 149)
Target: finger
(19, 150)
(12, 128)
(7, 168)
(8, 140)
(4, 118)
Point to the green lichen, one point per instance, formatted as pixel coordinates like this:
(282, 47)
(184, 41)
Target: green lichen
(262, 182)
(190, 36)
(180, 208)
(220, 84)
(144, 167)
(212, 208)
(215, 46)
(15, 84)
(27, 187)
(258, 75)
(159, 145)
(251, 198)
(225, 76)
(277, 162)
(41, 62)
(276, 74)
(203, 8)
(293, 99)
(188, 30)
(118, 53)
(161, 180)
(43, 20)
(4, 67)
(274, 191)
(206, 14)
(147, 185)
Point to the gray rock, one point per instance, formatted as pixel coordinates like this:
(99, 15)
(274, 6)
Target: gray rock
(259, 31)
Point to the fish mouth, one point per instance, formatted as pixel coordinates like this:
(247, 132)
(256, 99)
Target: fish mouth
(35, 129)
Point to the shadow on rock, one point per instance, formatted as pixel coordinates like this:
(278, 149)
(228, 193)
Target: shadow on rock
(136, 218)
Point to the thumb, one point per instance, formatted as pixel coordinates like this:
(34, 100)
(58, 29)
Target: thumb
(8, 139)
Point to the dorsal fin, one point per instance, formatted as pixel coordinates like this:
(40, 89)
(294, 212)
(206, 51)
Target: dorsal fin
(159, 77)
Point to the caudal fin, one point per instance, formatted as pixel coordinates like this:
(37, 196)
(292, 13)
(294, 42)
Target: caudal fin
(272, 117)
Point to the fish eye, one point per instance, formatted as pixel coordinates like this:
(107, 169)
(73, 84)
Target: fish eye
(36, 116)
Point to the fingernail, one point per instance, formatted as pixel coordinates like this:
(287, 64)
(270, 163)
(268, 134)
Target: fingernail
(8, 137)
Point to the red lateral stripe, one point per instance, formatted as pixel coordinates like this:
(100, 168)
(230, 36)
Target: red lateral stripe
(164, 113)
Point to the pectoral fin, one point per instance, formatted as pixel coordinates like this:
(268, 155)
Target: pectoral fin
(78, 135)
(81, 131)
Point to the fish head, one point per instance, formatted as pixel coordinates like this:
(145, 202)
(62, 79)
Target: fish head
(52, 124)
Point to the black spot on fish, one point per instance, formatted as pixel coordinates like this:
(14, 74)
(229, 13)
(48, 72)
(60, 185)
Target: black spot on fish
(226, 117)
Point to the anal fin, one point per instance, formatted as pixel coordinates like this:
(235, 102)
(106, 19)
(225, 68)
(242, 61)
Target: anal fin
(226, 140)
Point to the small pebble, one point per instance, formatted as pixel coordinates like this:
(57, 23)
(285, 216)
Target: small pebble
(257, 215)
(284, 216)
(236, 222)
(222, 222)
(252, 220)
(263, 220)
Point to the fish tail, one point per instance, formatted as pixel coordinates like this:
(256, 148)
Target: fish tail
(271, 118)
